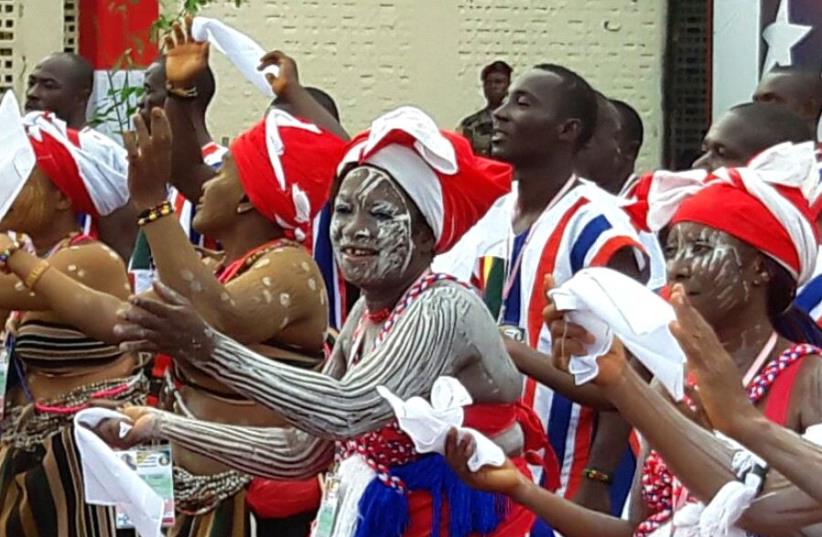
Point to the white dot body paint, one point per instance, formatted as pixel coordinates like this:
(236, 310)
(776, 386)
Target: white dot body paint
(81, 273)
(71, 268)
(196, 286)
(312, 284)
(285, 300)
(268, 296)
(284, 322)
(262, 263)
(305, 266)
(225, 297)
(267, 281)
(19, 287)
(187, 275)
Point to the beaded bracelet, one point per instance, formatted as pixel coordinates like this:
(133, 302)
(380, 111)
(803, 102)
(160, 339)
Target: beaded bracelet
(155, 213)
(36, 273)
(595, 475)
(6, 254)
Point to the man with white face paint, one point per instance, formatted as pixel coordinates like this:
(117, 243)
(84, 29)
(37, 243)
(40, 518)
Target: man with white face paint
(406, 191)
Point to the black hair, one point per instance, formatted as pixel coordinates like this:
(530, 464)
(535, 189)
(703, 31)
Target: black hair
(772, 123)
(630, 122)
(810, 80)
(579, 100)
(82, 72)
(790, 321)
(325, 100)
(498, 66)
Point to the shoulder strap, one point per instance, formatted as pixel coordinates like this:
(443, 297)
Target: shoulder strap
(779, 396)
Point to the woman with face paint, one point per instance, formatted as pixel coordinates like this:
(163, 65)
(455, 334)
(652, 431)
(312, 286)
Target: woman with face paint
(264, 289)
(60, 351)
(738, 268)
(405, 192)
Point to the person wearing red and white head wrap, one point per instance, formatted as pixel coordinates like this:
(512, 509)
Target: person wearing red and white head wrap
(452, 187)
(286, 168)
(764, 206)
(89, 172)
(414, 189)
(64, 296)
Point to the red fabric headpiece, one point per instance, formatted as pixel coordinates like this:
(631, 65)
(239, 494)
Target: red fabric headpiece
(764, 204)
(730, 208)
(286, 167)
(55, 159)
(452, 187)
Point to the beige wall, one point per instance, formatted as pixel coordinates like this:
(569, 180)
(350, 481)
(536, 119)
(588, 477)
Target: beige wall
(372, 55)
(37, 32)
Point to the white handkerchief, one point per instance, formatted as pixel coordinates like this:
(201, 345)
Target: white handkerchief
(17, 157)
(242, 51)
(109, 481)
(428, 423)
(608, 303)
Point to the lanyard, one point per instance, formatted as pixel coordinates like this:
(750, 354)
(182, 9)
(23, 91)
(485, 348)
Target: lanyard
(511, 292)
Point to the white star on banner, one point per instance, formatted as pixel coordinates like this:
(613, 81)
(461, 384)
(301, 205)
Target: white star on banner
(781, 36)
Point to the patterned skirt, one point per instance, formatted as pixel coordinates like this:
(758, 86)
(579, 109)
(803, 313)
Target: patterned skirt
(41, 482)
(215, 506)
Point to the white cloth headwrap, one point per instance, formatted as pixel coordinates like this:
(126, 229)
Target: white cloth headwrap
(242, 51)
(17, 158)
(607, 303)
(102, 165)
(787, 164)
(417, 170)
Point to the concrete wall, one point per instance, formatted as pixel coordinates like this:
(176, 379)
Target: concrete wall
(372, 55)
(36, 31)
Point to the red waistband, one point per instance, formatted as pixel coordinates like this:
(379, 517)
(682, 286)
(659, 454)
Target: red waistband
(494, 419)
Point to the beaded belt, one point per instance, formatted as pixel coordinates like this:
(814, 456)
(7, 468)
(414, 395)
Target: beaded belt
(199, 494)
(39, 421)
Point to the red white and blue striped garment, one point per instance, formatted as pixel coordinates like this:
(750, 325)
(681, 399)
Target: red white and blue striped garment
(584, 228)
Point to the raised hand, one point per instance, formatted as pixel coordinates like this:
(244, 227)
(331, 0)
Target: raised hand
(149, 159)
(503, 480)
(185, 57)
(720, 393)
(287, 79)
(569, 339)
(169, 325)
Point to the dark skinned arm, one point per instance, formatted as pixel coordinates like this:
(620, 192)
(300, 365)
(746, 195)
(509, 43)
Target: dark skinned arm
(612, 430)
(119, 230)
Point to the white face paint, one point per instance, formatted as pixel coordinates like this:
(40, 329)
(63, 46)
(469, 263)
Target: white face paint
(371, 228)
(711, 265)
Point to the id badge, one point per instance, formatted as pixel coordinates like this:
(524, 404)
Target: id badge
(153, 465)
(513, 332)
(5, 360)
(327, 515)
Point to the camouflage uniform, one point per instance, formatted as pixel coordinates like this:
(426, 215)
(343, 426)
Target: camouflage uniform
(479, 128)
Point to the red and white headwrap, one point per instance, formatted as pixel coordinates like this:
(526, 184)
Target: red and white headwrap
(91, 173)
(764, 204)
(286, 166)
(452, 186)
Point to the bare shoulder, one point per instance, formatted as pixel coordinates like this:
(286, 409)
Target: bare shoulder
(90, 255)
(808, 394)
